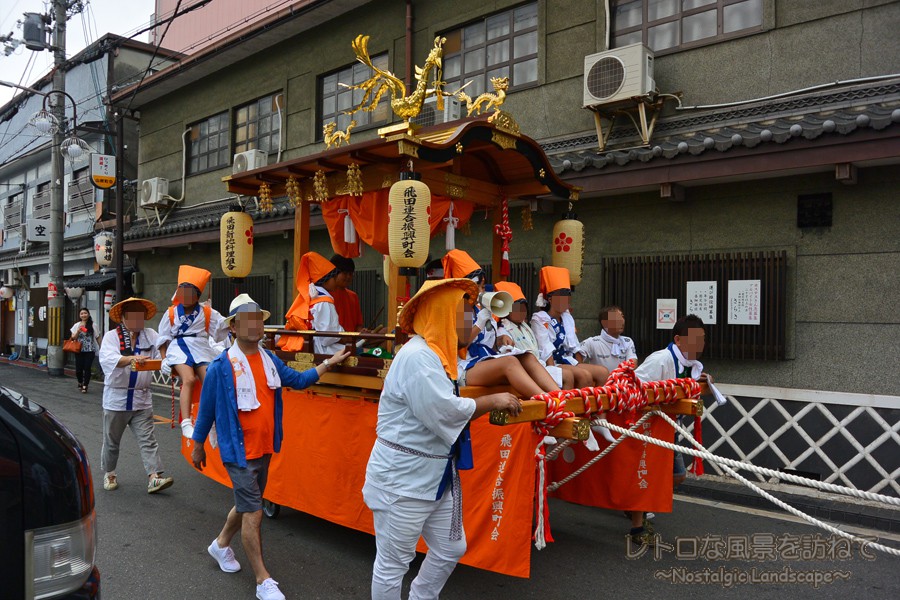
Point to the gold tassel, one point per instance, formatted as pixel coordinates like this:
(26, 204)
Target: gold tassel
(527, 223)
(293, 191)
(320, 186)
(354, 180)
(265, 198)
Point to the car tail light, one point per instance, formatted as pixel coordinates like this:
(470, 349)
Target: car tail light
(59, 559)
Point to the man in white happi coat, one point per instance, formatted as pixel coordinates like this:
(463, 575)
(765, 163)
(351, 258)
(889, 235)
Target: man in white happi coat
(127, 400)
(412, 480)
(610, 348)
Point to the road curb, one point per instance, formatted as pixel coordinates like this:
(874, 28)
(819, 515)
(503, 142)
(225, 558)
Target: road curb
(831, 508)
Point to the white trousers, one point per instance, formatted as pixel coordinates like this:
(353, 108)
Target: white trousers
(399, 521)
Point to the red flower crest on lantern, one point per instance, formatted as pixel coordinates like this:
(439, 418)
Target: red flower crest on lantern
(563, 242)
(249, 234)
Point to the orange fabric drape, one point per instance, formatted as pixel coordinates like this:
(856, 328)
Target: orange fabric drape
(633, 477)
(321, 470)
(369, 214)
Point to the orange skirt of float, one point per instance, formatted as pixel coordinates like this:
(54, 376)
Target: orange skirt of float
(322, 467)
(633, 476)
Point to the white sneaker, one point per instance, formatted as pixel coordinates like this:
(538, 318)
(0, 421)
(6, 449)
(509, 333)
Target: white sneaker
(268, 590)
(187, 428)
(225, 557)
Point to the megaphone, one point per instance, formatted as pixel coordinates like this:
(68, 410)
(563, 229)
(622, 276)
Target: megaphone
(499, 303)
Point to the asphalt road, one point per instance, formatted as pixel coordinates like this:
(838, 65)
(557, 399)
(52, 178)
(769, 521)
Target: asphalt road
(154, 546)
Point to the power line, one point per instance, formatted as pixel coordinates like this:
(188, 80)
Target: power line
(155, 51)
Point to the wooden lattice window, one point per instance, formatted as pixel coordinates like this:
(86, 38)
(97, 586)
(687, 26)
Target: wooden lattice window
(636, 282)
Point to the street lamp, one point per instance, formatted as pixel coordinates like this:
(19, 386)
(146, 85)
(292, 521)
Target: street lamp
(73, 147)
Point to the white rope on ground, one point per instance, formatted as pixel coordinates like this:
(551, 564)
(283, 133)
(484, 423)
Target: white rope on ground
(706, 455)
(557, 484)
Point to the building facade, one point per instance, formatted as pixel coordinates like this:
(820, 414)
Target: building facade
(92, 75)
(772, 159)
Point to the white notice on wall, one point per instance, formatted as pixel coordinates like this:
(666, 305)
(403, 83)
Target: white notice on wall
(666, 312)
(744, 301)
(701, 300)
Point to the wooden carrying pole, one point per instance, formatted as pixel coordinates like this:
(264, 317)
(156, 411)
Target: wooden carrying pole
(536, 410)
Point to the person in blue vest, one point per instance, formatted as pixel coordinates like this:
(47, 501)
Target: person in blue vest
(127, 401)
(242, 395)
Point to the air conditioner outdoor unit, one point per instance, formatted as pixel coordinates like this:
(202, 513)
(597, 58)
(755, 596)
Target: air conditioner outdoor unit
(429, 115)
(617, 75)
(154, 191)
(248, 161)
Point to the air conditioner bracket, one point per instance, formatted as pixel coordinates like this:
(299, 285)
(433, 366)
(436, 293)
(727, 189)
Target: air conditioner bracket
(643, 112)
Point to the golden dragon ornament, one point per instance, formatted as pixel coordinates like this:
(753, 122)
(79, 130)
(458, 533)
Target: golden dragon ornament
(404, 106)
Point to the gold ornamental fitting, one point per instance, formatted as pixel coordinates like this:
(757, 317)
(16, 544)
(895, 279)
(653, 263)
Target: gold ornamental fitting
(500, 417)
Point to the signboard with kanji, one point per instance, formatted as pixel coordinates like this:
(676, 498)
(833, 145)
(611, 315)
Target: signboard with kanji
(37, 230)
(701, 300)
(744, 301)
(103, 171)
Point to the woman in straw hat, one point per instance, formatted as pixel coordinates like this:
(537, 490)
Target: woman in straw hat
(412, 480)
(127, 401)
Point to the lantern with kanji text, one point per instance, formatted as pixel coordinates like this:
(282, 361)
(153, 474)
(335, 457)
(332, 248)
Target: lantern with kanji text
(236, 243)
(408, 230)
(104, 248)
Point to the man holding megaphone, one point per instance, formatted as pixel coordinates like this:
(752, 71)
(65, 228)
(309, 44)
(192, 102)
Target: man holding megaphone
(484, 364)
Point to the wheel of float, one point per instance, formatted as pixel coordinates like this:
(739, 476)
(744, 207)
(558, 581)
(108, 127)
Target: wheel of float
(270, 509)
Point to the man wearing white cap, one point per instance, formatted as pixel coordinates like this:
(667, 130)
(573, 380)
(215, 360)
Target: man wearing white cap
(242, 395)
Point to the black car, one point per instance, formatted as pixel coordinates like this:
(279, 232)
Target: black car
(47, 521)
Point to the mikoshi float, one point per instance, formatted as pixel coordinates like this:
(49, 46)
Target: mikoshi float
(480, 163)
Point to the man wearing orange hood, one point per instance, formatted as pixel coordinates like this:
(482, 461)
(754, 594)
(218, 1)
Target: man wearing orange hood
(185, 331)
(412, 480)
(314, 308)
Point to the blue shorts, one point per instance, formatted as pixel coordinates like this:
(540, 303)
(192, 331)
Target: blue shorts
(249, 483)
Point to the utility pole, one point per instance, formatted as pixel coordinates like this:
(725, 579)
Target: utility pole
(56, 303)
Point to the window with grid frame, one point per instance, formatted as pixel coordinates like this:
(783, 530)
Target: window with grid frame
(670, 25)
(502, 45)
(257, 125)
(209, 144)
(335, 99)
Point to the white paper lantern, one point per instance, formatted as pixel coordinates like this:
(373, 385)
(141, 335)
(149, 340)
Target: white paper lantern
(109, 299)
(104, 248)
(74, 293)
(6, 292)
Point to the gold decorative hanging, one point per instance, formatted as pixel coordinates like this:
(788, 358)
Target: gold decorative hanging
(292, 187)
(265, 198)
(354, 180)
(320, 186)
(527, 223)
